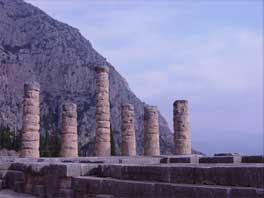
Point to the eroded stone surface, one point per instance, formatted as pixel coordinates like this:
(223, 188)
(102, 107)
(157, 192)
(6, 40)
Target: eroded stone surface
(151, 131)
(31, 120)
(182, 136)
(69, 135)
(128, 147)
(102, 138)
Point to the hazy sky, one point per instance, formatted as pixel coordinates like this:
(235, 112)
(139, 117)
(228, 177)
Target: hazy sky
(210, 53)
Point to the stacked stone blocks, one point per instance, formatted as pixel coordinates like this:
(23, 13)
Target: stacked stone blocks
(102, 139)
(151, 131)
(128, 145)
(182, 136)
(69, 135)
(31, 121)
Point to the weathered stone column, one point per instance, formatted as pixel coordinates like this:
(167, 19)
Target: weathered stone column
(182, 137)
(31, 119)
(151, 131)
(69, 135)
(128, 146)
(102, 139)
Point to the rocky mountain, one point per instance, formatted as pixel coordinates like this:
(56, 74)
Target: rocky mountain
(34, 46)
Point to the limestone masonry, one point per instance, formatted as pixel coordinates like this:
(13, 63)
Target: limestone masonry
(30, 126)
(151, 131)
(129, 176)
(189, 176)
(128, 147)
(182, 136)
(102, 135)
(69, 135)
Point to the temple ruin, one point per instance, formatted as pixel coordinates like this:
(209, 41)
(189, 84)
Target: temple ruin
(182, 135)
(31, 118)
(69, 135)
(128, 136)
(102, 138)
(183, 175)
(151, 131)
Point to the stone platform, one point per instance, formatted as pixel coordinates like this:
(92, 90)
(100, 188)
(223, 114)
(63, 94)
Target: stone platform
(12, 194)
(189, 176)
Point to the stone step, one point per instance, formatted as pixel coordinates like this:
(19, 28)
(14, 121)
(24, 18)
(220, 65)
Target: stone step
(13, 179)
(223, 175)
(109, 187)
(12, 194)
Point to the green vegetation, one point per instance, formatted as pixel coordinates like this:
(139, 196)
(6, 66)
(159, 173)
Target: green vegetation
(113, 152)
(9, 140)
(50, 145)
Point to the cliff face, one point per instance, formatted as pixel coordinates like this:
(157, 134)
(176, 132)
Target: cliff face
(33, 46)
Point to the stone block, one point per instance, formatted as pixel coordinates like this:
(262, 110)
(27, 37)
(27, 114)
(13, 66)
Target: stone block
(65, 183)
(79, 184)
(194, 159)
(114, 171)
(134, 189)
(39, 191)
(182, 175)
(93, 185)
(104, 196)
(243, 193)
(65, 170)
(65, 193)
(253, 159)
(146, 173)
(89, 169)
(220, 159)
(255, 176)
(19, 186)
(14, 176)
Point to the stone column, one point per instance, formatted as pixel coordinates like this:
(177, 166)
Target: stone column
(69, 135)
(151, 131)
(182, 137)
(31, 120)
(128, 146)
(102, 138)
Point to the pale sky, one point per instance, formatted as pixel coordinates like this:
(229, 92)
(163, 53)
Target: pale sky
(210, 53)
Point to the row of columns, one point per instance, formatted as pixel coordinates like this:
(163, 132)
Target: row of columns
(69, 137)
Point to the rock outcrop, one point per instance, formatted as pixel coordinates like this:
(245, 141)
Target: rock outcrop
(35, 47)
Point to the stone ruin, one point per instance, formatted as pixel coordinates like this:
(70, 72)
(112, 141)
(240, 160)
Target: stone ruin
(128, 144)
(31, 118)
(69, 134)
(181, 175)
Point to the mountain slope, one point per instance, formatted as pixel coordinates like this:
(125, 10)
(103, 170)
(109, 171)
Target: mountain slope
(33, 46)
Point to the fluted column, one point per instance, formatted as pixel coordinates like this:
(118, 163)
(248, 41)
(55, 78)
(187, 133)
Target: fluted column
(182, 136)
(128, 146)
(151, 131)
(69, 135)
(102, 139)
(31, 120)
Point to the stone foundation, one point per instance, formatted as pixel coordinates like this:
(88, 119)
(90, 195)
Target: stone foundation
(144, 177)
